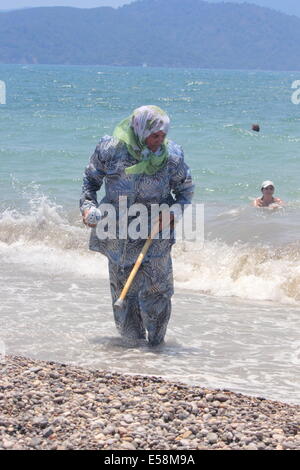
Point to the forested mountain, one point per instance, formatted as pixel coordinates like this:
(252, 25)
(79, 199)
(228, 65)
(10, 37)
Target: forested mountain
(173, 33)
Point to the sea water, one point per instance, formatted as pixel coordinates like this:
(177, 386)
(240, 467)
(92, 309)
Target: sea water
(236, 311)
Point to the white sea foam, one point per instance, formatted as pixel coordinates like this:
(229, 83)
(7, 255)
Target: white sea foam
(45, 240)
(49, 241)
(240, 270)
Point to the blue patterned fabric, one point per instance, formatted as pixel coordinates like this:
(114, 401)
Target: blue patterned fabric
(148, 304)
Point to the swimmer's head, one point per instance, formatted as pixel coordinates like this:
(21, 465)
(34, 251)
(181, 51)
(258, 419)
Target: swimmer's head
(267, 185)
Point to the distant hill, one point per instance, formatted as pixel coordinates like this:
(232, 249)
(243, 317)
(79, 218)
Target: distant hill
(173, 33)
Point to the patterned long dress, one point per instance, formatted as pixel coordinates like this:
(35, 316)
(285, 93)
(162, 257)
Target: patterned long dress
(147, 307)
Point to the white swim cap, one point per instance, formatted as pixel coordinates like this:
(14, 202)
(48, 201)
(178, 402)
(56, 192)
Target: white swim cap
(267, 183)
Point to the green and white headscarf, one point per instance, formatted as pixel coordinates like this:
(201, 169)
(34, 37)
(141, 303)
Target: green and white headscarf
(135, 129)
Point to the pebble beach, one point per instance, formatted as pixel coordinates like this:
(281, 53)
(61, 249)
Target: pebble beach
(53, 406)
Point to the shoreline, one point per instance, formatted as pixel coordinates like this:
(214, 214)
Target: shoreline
(46, 405)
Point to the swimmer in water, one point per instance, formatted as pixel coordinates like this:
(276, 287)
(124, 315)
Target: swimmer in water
(267, 199)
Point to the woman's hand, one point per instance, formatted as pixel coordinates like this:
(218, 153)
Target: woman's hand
(258, 202)
(84, 218)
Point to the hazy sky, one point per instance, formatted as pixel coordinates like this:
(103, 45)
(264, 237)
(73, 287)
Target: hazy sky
(288, 6)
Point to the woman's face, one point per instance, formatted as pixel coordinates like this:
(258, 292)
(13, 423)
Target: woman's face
(268, 191)
(155, 140)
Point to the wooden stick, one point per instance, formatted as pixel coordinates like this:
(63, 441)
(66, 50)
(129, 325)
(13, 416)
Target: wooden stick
(137, 265)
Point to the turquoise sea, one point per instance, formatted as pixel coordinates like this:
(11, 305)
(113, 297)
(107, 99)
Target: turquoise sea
(236, 311)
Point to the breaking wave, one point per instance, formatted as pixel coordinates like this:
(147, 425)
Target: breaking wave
(49, 239)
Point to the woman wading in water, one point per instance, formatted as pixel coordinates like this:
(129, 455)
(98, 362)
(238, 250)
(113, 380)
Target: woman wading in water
(140, 164)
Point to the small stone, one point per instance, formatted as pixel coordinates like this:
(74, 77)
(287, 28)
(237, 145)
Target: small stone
(289, 445)
(34, 369)
(91, 396)
(60, 420)
(84, 414)
(278, 431)
(127, 418)
(54, 375)
(99, 423)
(127, 445)
(7, 444)
(59, 400)
(212, 438)
(209, 397)
(67, 445)
(216, 403)
(35, 441)
(228, 436)
(116, 404)
(251, 446)
(185, 435)
(79, 391)
(183, 415)
(6, 385)
(40, 422)
(122, 430)
(110, 441)
(239, 437)
(140, 430)
(261, 446)
(185, 443)
(48, 432)
(278, 437)
(221, 397)
(162, 391)
(110, 429)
